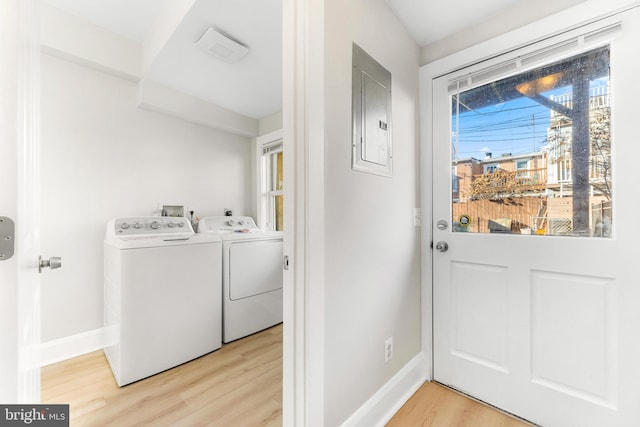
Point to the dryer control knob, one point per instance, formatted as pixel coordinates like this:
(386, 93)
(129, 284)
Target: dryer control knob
(171, 225)
(241, 222)
(124, 225)
(231, 222)
(137, 225)
(155, 225)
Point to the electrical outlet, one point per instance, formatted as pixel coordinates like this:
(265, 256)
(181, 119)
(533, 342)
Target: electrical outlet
(417, 217)
(388, 349)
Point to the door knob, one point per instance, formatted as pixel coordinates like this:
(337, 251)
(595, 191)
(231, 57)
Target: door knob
(442, 246)
(52, 263)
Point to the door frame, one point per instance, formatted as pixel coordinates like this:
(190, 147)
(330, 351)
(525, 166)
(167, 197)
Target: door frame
(553, 25)
(303, 146)
(303, 121)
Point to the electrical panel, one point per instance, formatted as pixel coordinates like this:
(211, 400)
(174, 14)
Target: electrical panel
(371, 115)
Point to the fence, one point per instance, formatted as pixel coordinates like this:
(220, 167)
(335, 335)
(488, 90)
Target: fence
(485, 214)
(530, 215)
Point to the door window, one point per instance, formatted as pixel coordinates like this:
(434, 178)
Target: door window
(531, 153)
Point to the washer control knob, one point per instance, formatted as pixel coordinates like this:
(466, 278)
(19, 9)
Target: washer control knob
(181, 224)
(124, 225)
(137, 226)
(171, 225)
(241, 222)
(155, 225)
(231, 222)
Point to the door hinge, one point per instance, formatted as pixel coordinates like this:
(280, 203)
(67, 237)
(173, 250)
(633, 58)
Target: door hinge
(7, 237)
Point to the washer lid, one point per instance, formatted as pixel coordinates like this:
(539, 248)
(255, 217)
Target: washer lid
(154, 242)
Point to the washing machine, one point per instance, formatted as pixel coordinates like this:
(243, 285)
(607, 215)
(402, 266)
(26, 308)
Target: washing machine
(162, 295)
(251, 274)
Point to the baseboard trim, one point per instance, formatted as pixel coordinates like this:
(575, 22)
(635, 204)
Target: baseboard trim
(381, 407)
(73, 346)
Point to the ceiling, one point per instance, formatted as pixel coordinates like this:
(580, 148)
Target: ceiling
(430, 21)
(129, 18)
(253, 86)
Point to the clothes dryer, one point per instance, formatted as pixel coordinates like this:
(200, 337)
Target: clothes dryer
(162, 295)
(251, 274)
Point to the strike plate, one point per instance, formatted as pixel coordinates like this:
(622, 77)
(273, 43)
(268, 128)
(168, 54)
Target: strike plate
(7, 238)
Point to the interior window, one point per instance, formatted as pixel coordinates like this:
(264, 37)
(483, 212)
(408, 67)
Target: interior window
(553, 124)
(272, 207)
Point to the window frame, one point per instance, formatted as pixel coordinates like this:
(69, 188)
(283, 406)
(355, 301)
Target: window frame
(522, 172)
(490, 167)
(265, 176)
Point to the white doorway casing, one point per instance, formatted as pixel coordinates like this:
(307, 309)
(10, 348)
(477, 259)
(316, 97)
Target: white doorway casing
(303, 140)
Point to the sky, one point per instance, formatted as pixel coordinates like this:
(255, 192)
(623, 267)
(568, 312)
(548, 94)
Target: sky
(517, 127)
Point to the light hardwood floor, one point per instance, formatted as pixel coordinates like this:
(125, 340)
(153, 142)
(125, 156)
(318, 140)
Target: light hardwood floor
(239, 385)
(434, 405)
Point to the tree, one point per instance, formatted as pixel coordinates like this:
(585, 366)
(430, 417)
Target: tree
(501, 184)
(600, 138)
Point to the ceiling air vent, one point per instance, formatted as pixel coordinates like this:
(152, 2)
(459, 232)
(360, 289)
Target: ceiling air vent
(219, 45)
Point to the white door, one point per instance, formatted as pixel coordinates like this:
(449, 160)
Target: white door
(536, 299)
(19, 281)
(8, 199)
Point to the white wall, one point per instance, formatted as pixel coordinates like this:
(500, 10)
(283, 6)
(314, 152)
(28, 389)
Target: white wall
(511, 18)
(270, 123)
(102, 157)
(372, 249)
